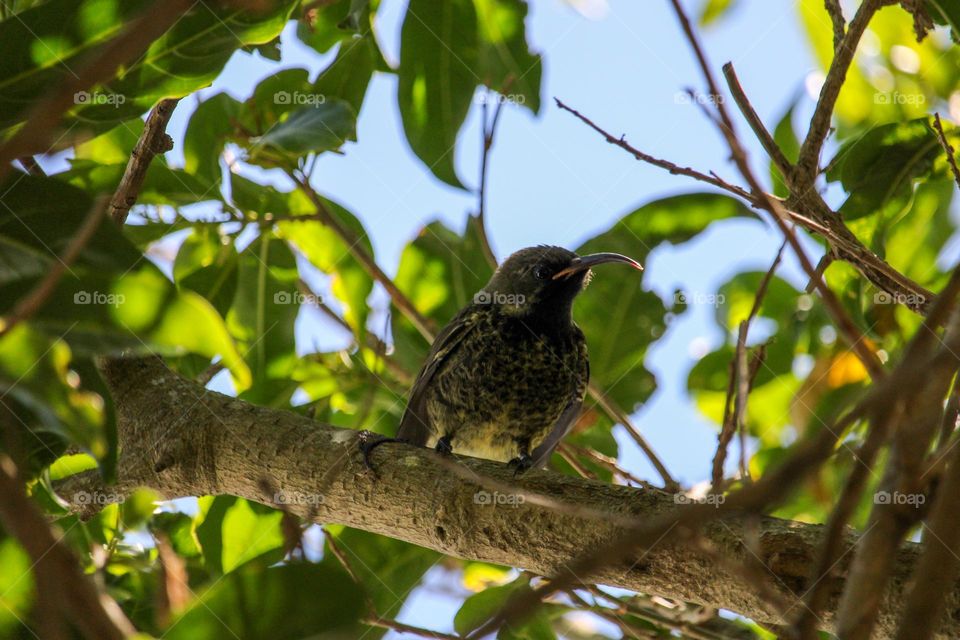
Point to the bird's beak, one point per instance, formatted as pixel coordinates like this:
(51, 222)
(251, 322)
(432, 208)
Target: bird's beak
(583, 263)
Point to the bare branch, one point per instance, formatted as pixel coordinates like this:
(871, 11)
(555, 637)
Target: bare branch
(836, 18)
(947, 148)
(766, 140)
(809, 158)
(152, 141)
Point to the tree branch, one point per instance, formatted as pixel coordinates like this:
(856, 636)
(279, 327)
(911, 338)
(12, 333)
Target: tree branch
(213, 444)
(153, 141)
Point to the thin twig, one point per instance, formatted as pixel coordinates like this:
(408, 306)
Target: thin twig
(30, 164)
(836, 18)
(406, 306)
(33, 301)
(734, 418)
(612, 409)
(152, 141)
(671, 167)
(841, 318)
(808, 159)
(766, 140)
(947, 147)
(42, 119)
(487, 134)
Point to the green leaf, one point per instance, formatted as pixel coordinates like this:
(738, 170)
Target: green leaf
(186, 58)
(324, 249)
(481, 606)
(234, 531)
(786, 138)
(16, 588)
(262, 317)
(506, 63)
(713, 10)
(878, 169)
(439, 271)
(330, 23)
(211, 125)
(389, 568)
(291, 601)
(207, 264)
(620, 319)
(323, 127)
(349, 74)
(438, 55)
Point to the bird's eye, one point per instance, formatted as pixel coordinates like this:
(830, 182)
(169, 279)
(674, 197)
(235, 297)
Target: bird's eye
(540, 272)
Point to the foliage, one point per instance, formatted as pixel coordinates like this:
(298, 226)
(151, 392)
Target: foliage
(232, 294)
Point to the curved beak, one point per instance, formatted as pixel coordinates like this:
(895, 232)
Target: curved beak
(586, 262)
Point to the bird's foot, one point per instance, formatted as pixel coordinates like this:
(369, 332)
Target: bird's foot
(444, 447)
(369, 442)
(521, 463)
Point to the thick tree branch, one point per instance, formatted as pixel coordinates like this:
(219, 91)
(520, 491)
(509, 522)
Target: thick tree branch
(181, 439)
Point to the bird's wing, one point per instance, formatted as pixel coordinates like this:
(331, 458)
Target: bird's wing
(541, 455)
(415, 424)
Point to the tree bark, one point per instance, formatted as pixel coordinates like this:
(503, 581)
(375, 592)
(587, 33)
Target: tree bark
(183, 440)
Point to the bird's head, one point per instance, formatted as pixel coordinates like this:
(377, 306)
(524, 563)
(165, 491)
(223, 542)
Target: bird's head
(543, 280)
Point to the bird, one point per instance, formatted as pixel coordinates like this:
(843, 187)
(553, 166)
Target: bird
(506, 378)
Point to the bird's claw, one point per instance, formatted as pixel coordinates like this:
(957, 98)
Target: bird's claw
(444, 447)
(520, 464)
(369, 442)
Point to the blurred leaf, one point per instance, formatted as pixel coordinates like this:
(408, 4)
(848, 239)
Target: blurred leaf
(328, 252)
(262, 317)
(207, 264)
(439, 271)
(211, 125)
(878, 169)
(16, 587)
(713, 10)
(256, 603)
(389, 568)
(234, 531)
(438, 55)
(323, 127)
(619, 319)
(45, 42)
(506, 64)
(349, 74)
(480, 607)
(327, 24)
(786, 138)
